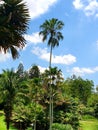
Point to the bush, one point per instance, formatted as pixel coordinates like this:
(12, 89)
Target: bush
(29, 128)
(57, 126)
(87, 117)
(96, 110)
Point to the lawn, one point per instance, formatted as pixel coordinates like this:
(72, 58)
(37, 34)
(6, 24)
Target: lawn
(89, 124)
(2, 123)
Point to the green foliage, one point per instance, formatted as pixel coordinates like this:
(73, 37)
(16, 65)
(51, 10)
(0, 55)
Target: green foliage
(30, 99)
(8, 84)
(24, 115)
(51, 30)
(86, 110)
(20, 70)
(14, 17)
(57, 126)
(34, 72)
(87, 117)
(67, 113)
(79, 88)
(96, 110)
(29, 128)
(93, 99)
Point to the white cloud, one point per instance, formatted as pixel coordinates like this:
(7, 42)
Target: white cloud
(42, 69)
(78, 4)
(4, 57)
(33, 38)
(82, 71)
(89, 7)
(61, 59)
(42, 53)
(39, 7)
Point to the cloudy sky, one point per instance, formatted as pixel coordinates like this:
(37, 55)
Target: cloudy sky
(77, 53)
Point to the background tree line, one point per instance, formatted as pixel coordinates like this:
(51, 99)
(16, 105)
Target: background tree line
(24, 98)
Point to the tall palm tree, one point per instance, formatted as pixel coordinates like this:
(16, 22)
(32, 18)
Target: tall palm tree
(8, 84)
(50, 30)
(14, 17)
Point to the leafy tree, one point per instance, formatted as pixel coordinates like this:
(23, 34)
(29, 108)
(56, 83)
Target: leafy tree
(8, 84)
(22, 74)
(34, 72)
(20, 70)
(93, 104)
(97, 88)
(96, 110)
(66, 112)
(14, 17)
(24, 115)
(28, 97)
(93, 99)
(22, 105)
(78, 88)
(50, 30)
(36, 95)
(56, 79)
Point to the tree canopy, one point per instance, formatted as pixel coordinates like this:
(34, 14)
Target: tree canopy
(14, 17)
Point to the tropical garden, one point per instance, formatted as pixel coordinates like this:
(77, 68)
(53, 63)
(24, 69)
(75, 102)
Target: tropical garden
(30, 99)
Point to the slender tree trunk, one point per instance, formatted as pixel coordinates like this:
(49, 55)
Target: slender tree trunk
(35, 109)
(50, 107)
(7, 111)
(50, 58)
(7, 125)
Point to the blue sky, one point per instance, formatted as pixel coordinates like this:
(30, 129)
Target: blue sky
(77, 53)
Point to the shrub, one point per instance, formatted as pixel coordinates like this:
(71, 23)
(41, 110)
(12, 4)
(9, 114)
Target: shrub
(87, 117)
(57, 126)
(96, 110)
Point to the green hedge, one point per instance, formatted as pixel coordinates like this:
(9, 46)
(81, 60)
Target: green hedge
(57, 126)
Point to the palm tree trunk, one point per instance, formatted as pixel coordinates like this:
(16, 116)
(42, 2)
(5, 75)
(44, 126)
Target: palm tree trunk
(35, 109)
(50, 58)
(50, 107)
(7, 126)
(7, 111)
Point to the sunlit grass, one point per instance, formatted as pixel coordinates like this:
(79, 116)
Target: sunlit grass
(89, 124)
(2, 122)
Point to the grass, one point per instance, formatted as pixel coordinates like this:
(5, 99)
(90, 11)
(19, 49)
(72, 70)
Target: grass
(2, 123)
(90, 124)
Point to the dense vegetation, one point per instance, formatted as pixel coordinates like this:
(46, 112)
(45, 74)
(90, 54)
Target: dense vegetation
(44, 101)
(24, 98)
